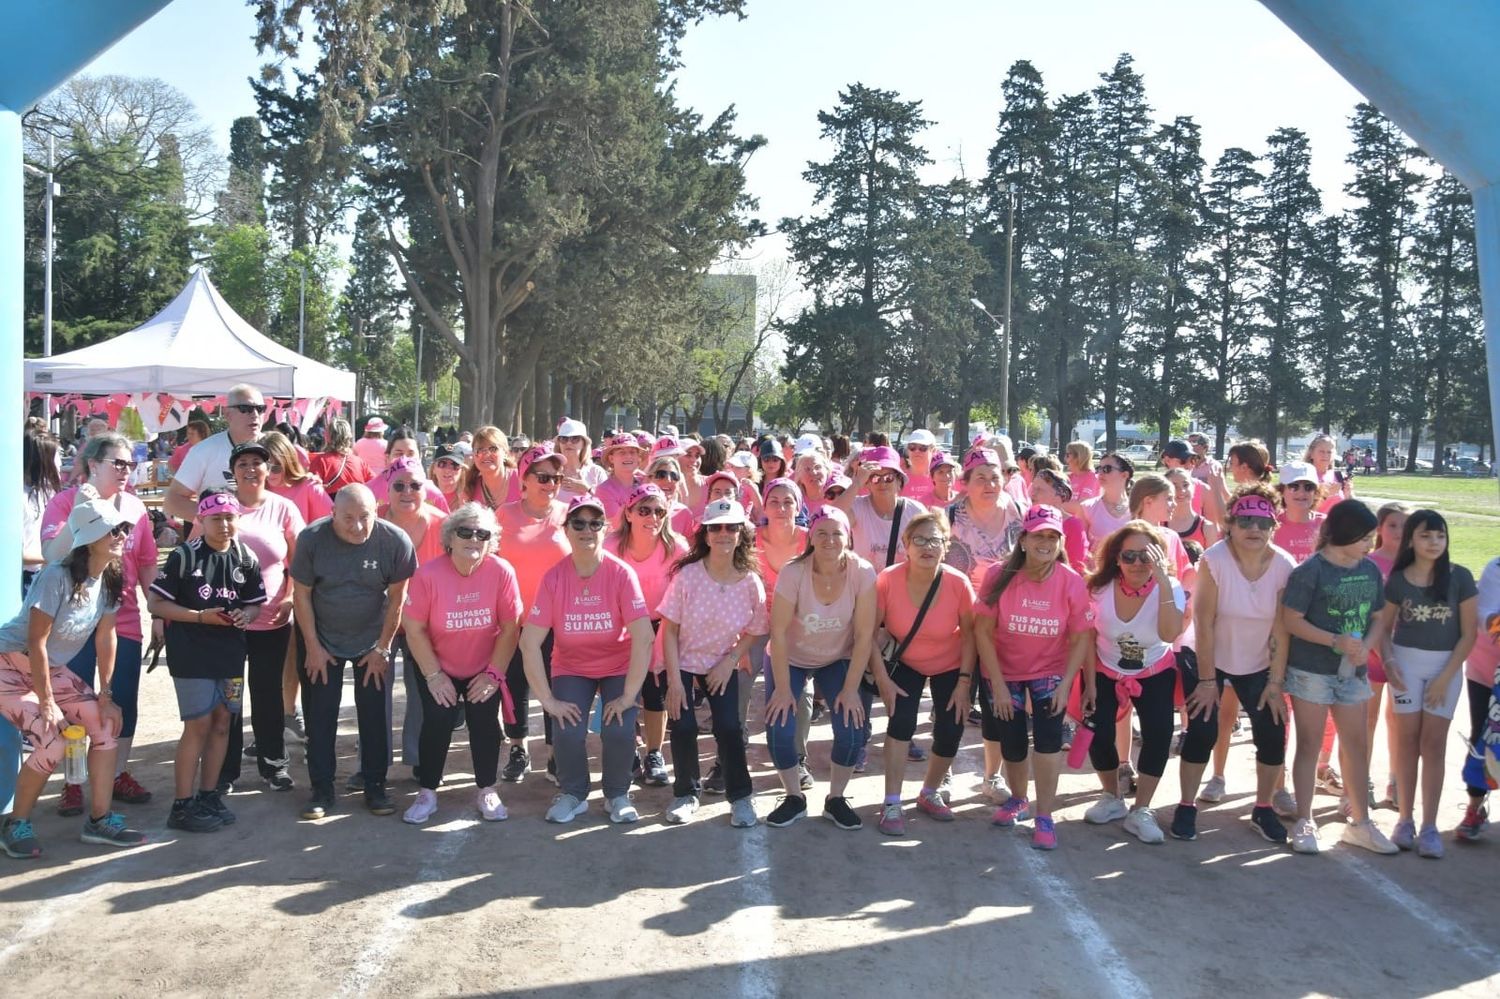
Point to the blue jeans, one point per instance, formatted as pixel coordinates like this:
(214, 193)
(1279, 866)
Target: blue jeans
(124, 685)
(10, 764)
(829, 681)
(570, 742)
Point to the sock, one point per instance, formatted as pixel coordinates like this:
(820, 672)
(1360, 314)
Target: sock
(1262, 804)
(181, 803)
(1187, 804)
(97, 818)
(895, 799)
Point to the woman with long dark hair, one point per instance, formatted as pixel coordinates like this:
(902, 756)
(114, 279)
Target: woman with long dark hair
(1110, 510)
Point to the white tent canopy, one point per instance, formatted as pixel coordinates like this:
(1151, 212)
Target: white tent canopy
(196, 346)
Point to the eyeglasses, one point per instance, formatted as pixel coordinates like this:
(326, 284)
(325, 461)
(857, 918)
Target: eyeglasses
(274, 467)
(591, 526)
(833, 494)
(249, 408)
(882, 478)
(1135, 558)
(651, 511)
(720, 528)
(406, 487)
(929, 543)
(1298, 487)
(666, 474)
(491, 450)
(473, 533)
(547, 478)
(120, 464)
(1254, 523)
(120, 530)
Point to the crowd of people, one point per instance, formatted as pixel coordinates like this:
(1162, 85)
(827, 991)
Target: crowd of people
(1061, 605)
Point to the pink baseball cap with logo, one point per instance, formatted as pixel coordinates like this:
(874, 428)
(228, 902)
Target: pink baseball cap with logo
(538, 452)
(981, 456)
(1042, 518)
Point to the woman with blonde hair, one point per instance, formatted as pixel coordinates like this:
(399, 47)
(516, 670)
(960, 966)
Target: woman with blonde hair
(489, 479)
(337, 465)
(1333, 485)
(289, 479)
(1080, 462)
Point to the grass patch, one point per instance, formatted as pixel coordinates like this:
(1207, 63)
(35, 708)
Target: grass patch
(1449, 494)
(1473, 542)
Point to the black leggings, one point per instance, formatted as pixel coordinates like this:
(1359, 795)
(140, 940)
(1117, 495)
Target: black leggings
(947, 731)
(483, 721)
(1479, 716)
(654, 691)
(1153, 704)
(1202, 733)
(266, 652)
(520, 692)
(1045, 728)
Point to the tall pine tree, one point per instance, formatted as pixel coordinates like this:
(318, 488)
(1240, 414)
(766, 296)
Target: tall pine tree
(1289, 209)
(1230, 376)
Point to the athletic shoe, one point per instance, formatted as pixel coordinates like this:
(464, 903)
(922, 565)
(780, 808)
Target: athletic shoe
(111, 831)
(817, 709)
(1305, 837)
(377, 800)
(293, 729)
(421, 810)
(804, 775)
(1284, 804)
(1430, 844)
(1185, 822)
(862, 761)
(320, 804)
(1141, 823)
(622, 810)
(836, 810)
(281, 780)
(1213, 791)
(224, 787)
(356, 782)
(1012, 811)
(945, 786)
(129, 791)
(892, 819)
(1367, 836)
(742, 813)
(714, 782)
(1263, 819)
(19, 839)
(517, 765)
(1127, 778)
(656, 769)
(1044, 834)
(1329, 781)
(996, 790)
(194, 816)
(71, 802)
(212, 802)
(251, 751)
(915, 753)
(1476, 817)
(491, 808)
(789, 809)
(682, 809)
(931, 804)
(1107, 809)
(565, 808)
(1404, 835)
(552, 769)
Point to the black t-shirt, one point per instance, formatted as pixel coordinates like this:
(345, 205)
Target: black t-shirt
(199, 578)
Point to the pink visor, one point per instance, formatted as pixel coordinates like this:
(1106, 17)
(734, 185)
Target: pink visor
(1252, 505)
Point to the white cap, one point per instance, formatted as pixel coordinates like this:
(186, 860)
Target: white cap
(569, 427)
(89, 521)
(1298, 471)
(724, 511)
(922, 435)
(807, 442)
(742, 459)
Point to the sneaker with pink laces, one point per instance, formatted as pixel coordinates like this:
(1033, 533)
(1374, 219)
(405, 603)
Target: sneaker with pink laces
(931, 804)
(1044, 836)
(491, 808)
(1015, 810)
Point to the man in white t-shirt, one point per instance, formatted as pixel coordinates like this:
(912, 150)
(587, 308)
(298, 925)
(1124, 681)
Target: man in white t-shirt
(207, 464)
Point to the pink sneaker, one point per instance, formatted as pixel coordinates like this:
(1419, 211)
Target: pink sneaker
(1013, 811)
(1044, 837)
(491, 808)
(933, 805)
(892, 821)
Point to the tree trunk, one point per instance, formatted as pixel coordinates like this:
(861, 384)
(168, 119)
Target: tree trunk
(1411, 450)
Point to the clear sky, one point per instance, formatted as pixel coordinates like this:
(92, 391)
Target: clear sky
(1229, 64)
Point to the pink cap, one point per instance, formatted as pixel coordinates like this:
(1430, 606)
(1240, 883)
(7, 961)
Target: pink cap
(1251, 505)
(587, 500)
(408, 466)
(885, 457)
(838, 479)
(646, 490)
(981, 456)
(1042, 518)
(644, 439)
(667, 446)
(833, 513)
(729, 477)
(220, 502)
(538, 452)
(621, 440)
(787, 484)
(943, 458)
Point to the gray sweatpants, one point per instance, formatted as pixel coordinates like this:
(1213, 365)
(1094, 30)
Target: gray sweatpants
(569, 742)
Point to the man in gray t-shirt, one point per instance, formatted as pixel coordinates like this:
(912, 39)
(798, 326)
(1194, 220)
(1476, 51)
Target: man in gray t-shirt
(349, 576)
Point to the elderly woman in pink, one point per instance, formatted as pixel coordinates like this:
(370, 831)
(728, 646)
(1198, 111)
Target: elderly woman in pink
(580, 473)
(986, 522)
(623, 456)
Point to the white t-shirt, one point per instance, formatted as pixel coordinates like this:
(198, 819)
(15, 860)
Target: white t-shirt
(207, 464)
(872, 534)
(1131, 646)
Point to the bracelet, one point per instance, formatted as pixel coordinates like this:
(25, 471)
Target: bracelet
(489, 671)
(965, 676)
(428, 676)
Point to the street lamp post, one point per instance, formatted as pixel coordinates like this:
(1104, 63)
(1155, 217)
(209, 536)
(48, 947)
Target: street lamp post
(1004, 335)
(51, 190)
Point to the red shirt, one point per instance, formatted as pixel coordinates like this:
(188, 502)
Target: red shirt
(337, 470)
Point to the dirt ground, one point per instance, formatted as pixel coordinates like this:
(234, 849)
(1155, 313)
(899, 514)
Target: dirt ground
(360, 905)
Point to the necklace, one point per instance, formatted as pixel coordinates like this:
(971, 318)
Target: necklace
(1115, 508)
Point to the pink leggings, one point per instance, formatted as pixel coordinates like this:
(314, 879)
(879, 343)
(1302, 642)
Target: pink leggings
(22, 708)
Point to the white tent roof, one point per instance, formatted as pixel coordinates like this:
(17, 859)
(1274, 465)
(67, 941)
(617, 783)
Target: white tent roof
(196, 346)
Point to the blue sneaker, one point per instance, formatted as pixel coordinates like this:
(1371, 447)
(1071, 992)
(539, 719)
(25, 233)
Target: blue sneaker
(19, 839)
(111, 831)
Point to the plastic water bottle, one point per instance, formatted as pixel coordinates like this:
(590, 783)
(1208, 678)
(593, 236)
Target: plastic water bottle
(1347, 666)
(75, 754)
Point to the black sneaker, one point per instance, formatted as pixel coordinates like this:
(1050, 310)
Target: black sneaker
(804, 775)
(789, 809)
(190, 815)
(837, 811)
(1185, 822)
(215, 804)
(552, 770)
(714, 782)
(252, 750)
(656, 770)
(321, 802)
(517, 765)
(356, 781)
(376, 799)
(224, 787)
(280, 780)
(1264, 819)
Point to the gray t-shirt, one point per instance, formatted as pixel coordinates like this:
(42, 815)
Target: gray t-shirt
(1334, 599)
(1422, 620)
(349, 582)
(72, 621)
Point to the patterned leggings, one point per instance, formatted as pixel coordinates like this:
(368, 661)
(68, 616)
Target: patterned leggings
(23, 709)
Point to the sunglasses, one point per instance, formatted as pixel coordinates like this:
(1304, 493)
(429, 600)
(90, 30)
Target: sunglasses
(720, 528)
(591, 526)
(1248, 523)
(666, 474)
(923, 448)
(882, 478)
(1300, 487)
(651, 511)
(120, 530)
(570, 440)
(473, 533)
(833, 494)
(1135, 558)
(274, 467)
(1110, 468)
(929, 543)
(406, 487)
(547, 478)
(121, 465)
(249, 408)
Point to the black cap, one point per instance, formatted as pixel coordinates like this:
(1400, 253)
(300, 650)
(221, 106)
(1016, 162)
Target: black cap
(1177, 449)
(448, 451)
(249, 447)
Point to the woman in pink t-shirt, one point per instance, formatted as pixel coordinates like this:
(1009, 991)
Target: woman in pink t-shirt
(1333, 485)
(403, 444)
(648, 544)
(1081, 475)
(939, 653)
(822, 619)
(462, 620)
(1034, 634)
(289, 478)
(1297, 531)
(714, 607)
(489, 478)
(591, 603)
(1052, 488)
(623, 456)
(986, 522)
(944, 468)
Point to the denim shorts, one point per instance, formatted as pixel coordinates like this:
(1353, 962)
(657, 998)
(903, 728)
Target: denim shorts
(1327, 688)
(197, 697)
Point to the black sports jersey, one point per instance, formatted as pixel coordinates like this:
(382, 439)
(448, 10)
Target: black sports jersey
(199, 578)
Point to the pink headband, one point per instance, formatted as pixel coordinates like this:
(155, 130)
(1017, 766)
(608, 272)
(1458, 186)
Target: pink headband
(833, 513)
(1251, 505)
(215, 503)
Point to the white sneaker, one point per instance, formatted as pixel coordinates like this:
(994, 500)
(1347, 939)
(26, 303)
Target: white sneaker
(1213, 791)
(996, 790)
(491, 808)
(1141, 823)
(622, 810)
(566, 808)
(421, 810)
(682, 809)
(1305, 837)
(742, 813)
(1107, 809)
(1367, 836)
(1283, 804)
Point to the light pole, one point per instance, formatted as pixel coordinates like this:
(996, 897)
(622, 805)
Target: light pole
(416, 408)
(51, 190)
(1004, 364)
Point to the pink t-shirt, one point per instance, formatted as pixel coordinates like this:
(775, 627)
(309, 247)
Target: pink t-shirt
(309, 497)
(530, 545)
(652, 573)
(1085, 485)
(769, 572)
(137, 562)
(938, 644)
(1245, 612)
(919, 488)
(1033, 621)
(380, 487)
(613, 494)
(264, 531)
(588, 617)
(683, 522)
(1100, 522)
(430, 545)
(463, 614)
(1298, 540)
(1485, 656)
(1335, 490)
(822, 633)
(712, 617)
(371, 451)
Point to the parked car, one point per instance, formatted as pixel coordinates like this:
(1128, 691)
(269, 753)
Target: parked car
(1140, 454)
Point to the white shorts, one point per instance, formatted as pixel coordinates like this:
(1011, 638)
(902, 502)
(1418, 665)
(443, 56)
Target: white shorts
(1419, 668)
